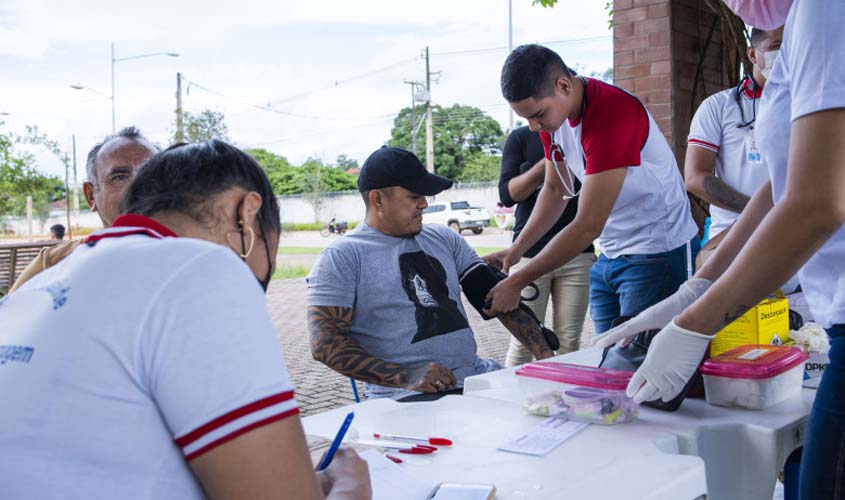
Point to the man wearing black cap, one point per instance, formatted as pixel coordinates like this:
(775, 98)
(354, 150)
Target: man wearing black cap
(384, 302)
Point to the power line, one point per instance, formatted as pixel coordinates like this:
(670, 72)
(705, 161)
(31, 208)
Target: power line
(256, 106)
(499, 49)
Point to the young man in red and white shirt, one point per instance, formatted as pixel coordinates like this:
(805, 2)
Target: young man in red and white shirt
(724, 162)
(632, 197)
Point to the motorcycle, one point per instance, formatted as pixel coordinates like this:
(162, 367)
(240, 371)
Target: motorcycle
(333, 227)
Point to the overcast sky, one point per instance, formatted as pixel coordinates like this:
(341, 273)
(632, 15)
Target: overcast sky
(337, 67)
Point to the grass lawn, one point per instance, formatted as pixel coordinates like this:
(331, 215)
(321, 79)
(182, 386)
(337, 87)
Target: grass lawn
(287, 272)
(300, 250)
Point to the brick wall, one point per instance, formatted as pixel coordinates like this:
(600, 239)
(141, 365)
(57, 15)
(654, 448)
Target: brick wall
(658, 55)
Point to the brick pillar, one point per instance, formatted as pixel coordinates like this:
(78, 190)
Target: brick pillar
(670, 54)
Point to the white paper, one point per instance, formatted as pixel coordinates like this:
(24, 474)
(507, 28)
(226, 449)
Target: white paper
(544, 437)
(391, 481)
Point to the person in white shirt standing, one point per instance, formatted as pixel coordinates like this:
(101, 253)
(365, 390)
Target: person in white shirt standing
(796, 221)
(145, 364)
(724, 165)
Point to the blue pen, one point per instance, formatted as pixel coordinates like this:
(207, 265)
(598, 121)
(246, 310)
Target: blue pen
(336, 443)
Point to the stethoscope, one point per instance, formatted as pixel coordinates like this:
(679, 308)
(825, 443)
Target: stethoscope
(738, 98)
(555, 149)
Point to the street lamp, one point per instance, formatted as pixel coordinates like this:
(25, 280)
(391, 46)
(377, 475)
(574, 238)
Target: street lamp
(118, 59)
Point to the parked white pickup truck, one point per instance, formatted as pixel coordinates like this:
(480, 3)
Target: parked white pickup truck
(458, 215)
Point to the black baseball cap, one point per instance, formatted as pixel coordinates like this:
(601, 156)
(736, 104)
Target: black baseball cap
(389, 166)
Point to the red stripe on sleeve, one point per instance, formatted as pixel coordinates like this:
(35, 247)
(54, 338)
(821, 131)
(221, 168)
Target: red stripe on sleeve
(232, 415)
(705, 144)
(242, 430)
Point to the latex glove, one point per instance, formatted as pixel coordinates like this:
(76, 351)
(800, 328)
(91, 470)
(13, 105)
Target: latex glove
(673, 357)
(656, 316)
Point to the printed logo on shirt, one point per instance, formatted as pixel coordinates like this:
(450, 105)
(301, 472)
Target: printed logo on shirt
(58, 291)
(21, 354)
(424, 281)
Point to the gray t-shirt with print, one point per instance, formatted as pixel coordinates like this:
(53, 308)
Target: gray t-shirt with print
(406, 297)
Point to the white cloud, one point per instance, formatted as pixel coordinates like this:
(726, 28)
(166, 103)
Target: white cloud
(259, 52)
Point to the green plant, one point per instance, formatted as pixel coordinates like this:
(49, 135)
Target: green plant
(289, 272)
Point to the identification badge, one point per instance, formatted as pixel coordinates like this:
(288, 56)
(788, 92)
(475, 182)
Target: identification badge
(753, 155)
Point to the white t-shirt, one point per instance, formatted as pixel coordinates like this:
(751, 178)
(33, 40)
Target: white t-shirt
(652, 213)
(128, 359)
(715, 127)
(808, 76)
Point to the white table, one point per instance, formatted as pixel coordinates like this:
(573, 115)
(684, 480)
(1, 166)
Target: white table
(743, 449)
(632, 461)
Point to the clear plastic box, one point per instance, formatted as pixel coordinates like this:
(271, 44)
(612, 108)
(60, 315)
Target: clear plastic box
(754, 376)
(585, 393)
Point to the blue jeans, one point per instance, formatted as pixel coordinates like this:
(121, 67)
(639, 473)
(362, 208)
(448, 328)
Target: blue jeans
(626, 285)
(823, 461)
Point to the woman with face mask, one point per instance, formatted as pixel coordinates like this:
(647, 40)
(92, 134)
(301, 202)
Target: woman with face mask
(145, 364)
(794, 223)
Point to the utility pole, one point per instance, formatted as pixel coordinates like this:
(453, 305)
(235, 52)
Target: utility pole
(67, 198)
(429, 131)
(413, 113)
(510, 49)
(75, 184)
(180, 128)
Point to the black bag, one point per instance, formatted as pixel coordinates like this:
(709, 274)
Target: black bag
(630, 357)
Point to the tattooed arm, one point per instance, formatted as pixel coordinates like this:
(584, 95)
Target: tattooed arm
(331, 345)
(700, 178)
(526, 330)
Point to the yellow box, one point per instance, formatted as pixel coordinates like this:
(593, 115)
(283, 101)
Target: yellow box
(760, 325)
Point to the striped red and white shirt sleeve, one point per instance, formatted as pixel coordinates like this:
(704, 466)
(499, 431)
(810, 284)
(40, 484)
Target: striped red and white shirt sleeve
(237, 422)
(706, 126)
(214, 364)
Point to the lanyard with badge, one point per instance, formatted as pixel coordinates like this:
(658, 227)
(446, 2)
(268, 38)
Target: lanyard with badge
(753, 154)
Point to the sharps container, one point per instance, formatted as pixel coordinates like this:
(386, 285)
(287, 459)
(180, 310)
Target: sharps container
(754, 376)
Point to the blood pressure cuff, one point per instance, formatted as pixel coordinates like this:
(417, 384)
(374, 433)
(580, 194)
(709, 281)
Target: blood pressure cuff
(478, 280)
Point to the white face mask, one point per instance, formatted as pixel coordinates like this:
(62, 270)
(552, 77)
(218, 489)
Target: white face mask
(770, 57)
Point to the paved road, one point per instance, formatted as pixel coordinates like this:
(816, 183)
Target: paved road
(317, 387)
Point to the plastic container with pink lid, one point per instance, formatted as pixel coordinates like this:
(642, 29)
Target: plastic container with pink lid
(754, 376)
(585, 393)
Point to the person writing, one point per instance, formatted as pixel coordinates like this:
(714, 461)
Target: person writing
(145, 364)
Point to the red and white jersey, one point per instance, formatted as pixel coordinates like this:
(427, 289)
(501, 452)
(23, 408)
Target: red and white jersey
(808, 77)
(652, 213)
(134, 355)
(739, 163)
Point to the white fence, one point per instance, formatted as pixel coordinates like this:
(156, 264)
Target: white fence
(295, 208)
(350, 207)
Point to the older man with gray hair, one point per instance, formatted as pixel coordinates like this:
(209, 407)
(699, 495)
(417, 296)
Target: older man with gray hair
(111, 166)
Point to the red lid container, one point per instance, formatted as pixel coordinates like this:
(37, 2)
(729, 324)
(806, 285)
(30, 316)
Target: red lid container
(585, 376)
(754, 362)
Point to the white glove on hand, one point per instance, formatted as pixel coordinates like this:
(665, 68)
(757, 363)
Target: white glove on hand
(658, 315)
(673, 357)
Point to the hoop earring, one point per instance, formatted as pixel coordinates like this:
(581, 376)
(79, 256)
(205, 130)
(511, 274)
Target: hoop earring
(249, 248)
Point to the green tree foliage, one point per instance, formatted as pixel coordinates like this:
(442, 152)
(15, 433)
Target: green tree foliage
(481, 167)
(19, 178)
(290, 179)
(204, 125)
(344, 163)
(460, 132)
